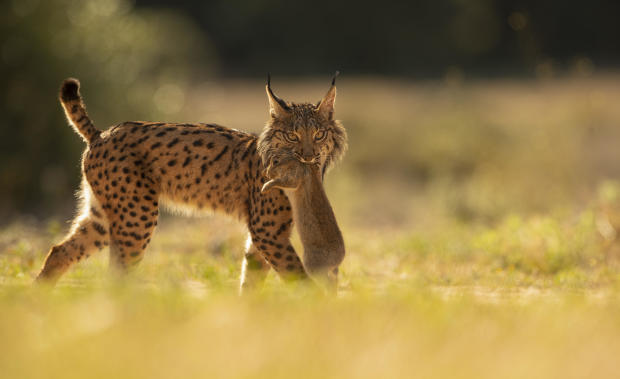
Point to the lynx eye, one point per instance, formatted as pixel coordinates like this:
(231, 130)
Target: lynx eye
(290, 136)
(320, 135)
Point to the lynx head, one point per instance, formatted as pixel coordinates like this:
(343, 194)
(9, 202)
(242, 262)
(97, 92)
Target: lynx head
(307, 132)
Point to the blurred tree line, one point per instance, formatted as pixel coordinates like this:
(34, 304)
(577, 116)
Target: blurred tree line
(130, 59)
(412, 38)
(140, 57)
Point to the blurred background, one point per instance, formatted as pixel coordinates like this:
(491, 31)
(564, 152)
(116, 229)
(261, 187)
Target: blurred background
(459, 110)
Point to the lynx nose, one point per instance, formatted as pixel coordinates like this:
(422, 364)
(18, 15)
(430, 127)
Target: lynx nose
(305, 158)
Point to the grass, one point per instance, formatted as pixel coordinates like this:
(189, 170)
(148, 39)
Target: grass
(160, 334)
(529, 297)
(480, 223)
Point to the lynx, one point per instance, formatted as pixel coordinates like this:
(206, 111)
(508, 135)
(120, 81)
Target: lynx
(130, 169)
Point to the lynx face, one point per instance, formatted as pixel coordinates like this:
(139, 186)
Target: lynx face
(306, 132)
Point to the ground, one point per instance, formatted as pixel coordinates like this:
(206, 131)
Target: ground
(484, 249)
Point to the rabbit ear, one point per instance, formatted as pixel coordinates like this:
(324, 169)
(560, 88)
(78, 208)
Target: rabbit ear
(326, 106)
(277, 106)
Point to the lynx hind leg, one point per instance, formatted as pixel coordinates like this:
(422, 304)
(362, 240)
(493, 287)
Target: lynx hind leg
(270, 235)
(89, 234)
(131, 231)
(254, 268)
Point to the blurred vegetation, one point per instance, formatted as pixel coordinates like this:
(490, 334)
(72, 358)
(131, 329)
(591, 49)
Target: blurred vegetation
(512, 301)
(452, 136)
(449, 142)
(134, 63)
(179, 333)
(407, 38)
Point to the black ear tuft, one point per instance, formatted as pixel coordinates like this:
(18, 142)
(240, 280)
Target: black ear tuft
(273, 96)
(70, 90)
(334, 78)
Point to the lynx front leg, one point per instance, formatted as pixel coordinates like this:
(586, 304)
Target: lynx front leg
(254, 268)
(276, 249)
(270, 224)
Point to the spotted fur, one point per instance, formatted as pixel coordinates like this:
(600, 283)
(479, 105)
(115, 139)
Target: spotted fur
(131, 169)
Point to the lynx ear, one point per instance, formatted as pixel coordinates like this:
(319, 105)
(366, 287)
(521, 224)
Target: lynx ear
(277, 106)
(326, 106)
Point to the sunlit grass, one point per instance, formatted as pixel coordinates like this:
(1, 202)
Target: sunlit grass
(534, 297)
(135, 331)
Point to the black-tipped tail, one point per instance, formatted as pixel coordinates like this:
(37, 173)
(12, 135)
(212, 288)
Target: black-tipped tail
(76, 111)
(70, 90)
